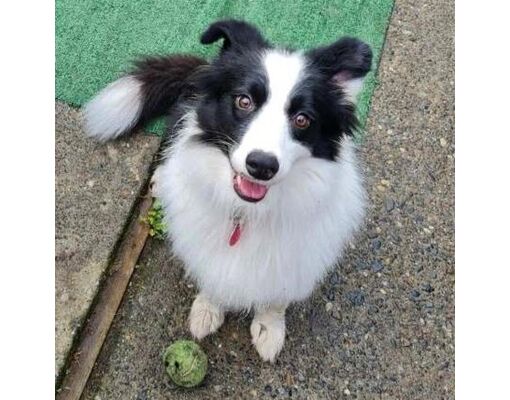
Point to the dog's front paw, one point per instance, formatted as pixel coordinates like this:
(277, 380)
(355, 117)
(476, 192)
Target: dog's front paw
(204, 318)
(268, 334)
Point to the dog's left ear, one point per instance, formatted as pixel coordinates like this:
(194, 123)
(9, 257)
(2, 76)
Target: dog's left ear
(345, 62)
(236, 35)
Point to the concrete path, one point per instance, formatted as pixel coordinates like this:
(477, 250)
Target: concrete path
(382, 325)
(96, 187)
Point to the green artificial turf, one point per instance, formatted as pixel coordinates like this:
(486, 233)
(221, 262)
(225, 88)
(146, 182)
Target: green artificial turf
(97, 39)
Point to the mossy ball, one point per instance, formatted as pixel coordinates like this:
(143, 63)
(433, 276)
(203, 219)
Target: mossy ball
(185, 363)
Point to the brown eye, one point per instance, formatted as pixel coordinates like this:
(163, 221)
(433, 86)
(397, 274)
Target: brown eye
(244, 103)
(301, 121)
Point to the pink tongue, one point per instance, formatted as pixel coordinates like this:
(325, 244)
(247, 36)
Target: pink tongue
(251, 189)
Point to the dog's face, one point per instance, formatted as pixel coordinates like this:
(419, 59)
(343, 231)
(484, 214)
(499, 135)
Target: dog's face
(267, 108)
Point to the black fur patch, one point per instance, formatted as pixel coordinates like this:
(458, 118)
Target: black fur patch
(237, 36)
(347, 58)
(331, 116)
(238, 70)
(164, 80)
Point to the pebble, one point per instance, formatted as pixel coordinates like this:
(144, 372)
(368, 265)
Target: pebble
(360, 265)
(432, 249)
(377, 266)
(347, 392)
(329, 306)
(443, 142)
(372, 234)
(389, 205)
(336, 315)
(418, 267)
(376, 244)
(334, 278)
(385, 182)
(415, 294)
(332, 337)
(427, 287)
(253, 393)
(268, 389)
(356, 297)
(300, 377)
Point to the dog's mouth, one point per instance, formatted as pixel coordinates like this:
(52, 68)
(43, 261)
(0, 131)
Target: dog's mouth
(249, 190)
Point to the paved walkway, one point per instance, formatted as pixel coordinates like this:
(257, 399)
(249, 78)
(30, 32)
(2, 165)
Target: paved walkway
(96, 187)
(382, 325)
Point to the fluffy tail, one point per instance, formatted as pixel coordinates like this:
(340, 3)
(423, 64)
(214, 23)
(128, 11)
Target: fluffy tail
(146, 93)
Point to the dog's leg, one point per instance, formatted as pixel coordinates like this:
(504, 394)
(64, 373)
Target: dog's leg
(268, 331)
(205, 317)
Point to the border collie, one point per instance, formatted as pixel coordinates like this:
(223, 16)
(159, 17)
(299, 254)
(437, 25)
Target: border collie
(258, 175)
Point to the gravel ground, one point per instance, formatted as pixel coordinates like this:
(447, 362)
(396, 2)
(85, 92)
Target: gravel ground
(382, 324)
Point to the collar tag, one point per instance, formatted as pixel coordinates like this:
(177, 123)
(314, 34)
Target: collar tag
(235, 235)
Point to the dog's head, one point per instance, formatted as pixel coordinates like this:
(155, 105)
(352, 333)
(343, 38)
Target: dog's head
(267, 108)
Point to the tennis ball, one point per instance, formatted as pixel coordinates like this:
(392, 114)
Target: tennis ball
(185, 363)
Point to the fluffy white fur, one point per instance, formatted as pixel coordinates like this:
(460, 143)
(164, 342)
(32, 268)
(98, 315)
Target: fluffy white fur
(288, 240)
(352, 88)
(204, 317)
(268, 331)
(114, 110)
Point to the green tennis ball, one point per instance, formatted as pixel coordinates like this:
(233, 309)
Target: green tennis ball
(185, 363)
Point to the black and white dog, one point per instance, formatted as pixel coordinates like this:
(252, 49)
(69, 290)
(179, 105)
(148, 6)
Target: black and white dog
(259, 182)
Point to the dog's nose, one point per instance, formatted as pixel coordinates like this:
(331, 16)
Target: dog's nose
(262, 165)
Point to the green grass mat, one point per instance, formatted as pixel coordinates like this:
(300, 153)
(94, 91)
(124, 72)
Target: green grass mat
(97, 39)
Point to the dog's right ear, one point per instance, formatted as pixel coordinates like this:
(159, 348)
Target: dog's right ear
(236, 35)
(346, 62)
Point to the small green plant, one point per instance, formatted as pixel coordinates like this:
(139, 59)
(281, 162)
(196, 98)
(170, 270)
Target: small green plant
(154, 218)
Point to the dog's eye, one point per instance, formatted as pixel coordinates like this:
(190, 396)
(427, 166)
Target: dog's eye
(243, 102)
(301, 121)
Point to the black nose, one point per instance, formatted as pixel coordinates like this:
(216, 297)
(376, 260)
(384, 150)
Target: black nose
(262, 165)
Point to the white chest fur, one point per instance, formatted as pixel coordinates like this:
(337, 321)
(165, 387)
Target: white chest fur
(288, 240)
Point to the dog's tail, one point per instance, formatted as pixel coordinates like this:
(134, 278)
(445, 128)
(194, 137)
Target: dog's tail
(134, 99)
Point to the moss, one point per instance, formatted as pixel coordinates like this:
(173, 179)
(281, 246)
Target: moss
(155, 220)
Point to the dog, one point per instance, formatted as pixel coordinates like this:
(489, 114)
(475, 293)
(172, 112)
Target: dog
(258, 174)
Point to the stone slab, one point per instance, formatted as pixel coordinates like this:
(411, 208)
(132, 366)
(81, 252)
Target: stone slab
(96, 187)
